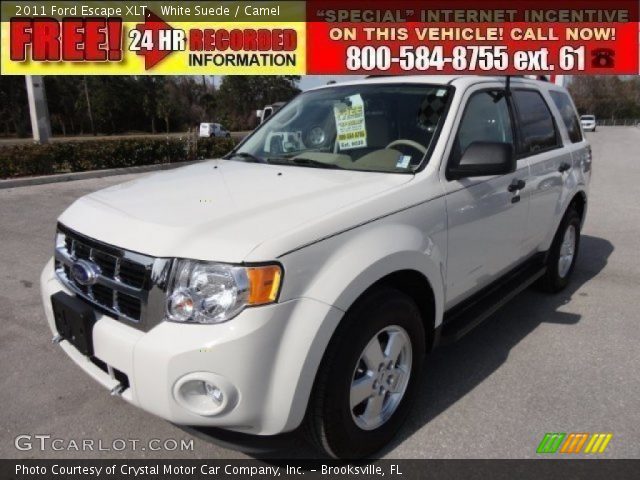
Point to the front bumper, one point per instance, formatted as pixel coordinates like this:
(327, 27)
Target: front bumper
(267, 355)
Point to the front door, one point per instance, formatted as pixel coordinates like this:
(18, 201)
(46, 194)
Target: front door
(487, 216)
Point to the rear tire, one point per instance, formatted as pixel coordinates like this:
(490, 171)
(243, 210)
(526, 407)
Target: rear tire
(561, 259)
(364, 388)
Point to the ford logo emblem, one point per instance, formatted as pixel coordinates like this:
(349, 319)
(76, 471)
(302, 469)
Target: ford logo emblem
(85, 272)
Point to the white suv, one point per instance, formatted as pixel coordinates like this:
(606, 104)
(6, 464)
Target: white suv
(588, 123)
(303, 278)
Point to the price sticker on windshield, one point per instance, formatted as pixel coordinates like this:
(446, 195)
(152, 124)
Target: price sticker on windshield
(350, 123)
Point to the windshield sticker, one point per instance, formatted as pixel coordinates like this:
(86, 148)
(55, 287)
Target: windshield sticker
(279, 142)
(403, 161)
(441, 92)
(350, 125)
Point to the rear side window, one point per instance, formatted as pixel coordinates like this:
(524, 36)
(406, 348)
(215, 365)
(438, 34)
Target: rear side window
(569, 115)
(537, 130)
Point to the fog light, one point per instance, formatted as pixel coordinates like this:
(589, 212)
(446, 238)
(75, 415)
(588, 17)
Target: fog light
(214, 393)
(205, 393)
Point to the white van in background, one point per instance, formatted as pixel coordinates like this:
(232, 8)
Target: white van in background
(213, 130)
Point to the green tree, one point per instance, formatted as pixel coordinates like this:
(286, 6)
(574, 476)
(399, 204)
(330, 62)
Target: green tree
(240, 96)
(63, 98)
(607, 97)
(168, 103)
(152, 86)
(14, 111)
(114, 104)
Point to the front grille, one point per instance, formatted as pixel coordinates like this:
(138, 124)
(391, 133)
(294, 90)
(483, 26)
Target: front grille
(127, 285)
(132, 273)
(106, 262)
(102, 295)
(128, 305)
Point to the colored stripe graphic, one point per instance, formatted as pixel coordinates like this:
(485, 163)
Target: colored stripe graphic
(598, 443)
(573, 442)
(581, 442)
(550, 442)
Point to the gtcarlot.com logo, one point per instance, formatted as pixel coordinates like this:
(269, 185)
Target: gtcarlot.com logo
(46, 442)
(574, 443)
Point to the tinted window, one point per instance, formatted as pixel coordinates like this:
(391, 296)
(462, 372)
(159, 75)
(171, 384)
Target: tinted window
(537, 130)
(569, 116)
(485, 119)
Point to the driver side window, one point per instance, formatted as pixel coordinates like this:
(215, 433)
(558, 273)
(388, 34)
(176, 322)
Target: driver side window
(485, 119)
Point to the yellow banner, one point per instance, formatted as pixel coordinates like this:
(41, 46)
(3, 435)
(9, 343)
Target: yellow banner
(64, 42)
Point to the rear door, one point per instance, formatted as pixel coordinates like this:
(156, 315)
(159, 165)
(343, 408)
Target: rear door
(540, 142)
(574, 141)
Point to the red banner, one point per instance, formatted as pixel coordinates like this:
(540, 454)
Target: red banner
(524, 37)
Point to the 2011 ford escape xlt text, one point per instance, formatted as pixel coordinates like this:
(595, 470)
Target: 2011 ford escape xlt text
(301, 279)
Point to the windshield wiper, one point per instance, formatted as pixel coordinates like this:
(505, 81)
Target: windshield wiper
(305, 162)
(248, 157)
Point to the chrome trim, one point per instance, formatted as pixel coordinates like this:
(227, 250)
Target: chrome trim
(101, 280)
(114, 284)
(152, 296)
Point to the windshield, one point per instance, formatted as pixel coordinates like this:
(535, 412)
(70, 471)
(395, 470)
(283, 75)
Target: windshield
(382, 128)
(587, 117)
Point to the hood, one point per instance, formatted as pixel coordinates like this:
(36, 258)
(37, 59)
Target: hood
(220, 209)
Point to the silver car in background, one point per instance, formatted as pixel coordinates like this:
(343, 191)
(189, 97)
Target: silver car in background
(588, 123)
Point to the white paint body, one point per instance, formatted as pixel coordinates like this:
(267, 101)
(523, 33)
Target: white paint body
(335, 233)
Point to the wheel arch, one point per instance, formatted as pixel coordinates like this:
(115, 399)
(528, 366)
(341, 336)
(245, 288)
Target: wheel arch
(402, 256)
(412, 282)
(579, 201)
(407, 280)
(418, 287)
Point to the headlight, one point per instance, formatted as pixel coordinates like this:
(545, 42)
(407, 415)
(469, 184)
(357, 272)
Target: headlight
(202, 292)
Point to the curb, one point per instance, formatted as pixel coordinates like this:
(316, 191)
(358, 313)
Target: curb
(69, 177)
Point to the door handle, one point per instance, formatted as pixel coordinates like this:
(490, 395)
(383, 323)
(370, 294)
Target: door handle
(564, 166)
(516, 185)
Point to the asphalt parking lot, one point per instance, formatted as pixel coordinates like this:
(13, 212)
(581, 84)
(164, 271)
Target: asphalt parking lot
(564, 363)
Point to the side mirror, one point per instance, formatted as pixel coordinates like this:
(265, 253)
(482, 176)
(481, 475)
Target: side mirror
(484, 158)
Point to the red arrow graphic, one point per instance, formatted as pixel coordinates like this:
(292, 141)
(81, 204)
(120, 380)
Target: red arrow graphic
(154, 24)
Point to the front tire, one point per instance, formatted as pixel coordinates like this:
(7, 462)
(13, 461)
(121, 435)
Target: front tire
(368, 377)
(561, 259)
